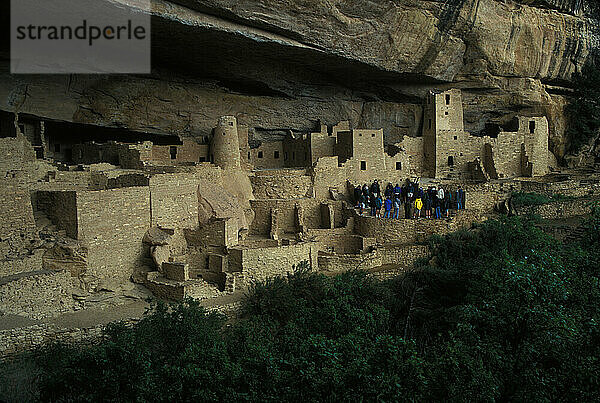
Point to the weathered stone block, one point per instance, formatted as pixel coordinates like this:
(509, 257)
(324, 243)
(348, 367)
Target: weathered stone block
(176, 271)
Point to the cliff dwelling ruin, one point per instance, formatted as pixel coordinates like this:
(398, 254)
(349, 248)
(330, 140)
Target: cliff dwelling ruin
(237, 158)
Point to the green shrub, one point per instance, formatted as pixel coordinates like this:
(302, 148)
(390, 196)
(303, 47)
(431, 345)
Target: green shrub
(501, 312)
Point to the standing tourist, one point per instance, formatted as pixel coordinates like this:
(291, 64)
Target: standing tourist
(460, 194)
(446, 205)
(357, 193)
(440, 193)
(389, 190)
(362, 201)
(373, 204)
(396, 207)
(418, 207)
(397, 191)
(375, 189)
(427, 198)
(378, 204)
(388, 207)
(436, 204)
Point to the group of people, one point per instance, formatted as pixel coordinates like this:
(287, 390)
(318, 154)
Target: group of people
(416, 202)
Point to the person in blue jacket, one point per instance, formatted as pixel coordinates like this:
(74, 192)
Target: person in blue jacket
(388, 207)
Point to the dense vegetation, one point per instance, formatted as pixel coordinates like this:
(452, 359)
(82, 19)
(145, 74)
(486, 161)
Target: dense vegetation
(501, 312)
(584, 109)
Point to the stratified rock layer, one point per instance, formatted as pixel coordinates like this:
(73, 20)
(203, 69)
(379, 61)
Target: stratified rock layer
(281, 65)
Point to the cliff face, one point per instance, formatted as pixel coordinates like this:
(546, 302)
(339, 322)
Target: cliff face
(283, 64)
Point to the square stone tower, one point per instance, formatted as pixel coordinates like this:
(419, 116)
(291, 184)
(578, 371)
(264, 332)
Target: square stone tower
(443, 131)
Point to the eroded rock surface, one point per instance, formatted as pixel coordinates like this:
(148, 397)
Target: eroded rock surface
(280, 65)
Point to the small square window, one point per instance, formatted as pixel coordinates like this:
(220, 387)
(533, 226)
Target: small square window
(446, 113)
(276, 155)
(173, 152)
(372, 134)
(363, 165)
(398, 165)
(248, 154)
(360, 134)
(230, 123)
(260, 154)
(455, 137)
(447, 99)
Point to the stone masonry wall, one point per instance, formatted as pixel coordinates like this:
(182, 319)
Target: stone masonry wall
(112, 223)
(117, 178)
(267, 155)
(569, 187)
(562, 209)
(16, 220)
(16, 153)
(260, 264)
(403, 257)
(281, 184)
(322, 144)
(406, 232)
(38, 296)
(328, 175)
(61, 209)
(174, 200)
(286, 210)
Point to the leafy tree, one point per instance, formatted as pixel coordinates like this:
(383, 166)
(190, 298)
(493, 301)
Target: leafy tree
(499, 312)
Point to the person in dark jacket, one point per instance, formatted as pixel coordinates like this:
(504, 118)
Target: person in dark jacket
(407, 211)
(427, 202)
(373, 204)
(357, 193)
(378, 204)
(362, 202)
(389, 190)
(375, 189)
(446, 205)
(460, 195)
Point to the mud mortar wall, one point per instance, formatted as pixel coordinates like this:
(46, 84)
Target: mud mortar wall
(112, 224)
(260, 264)
(174, 200)
(406, 232)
